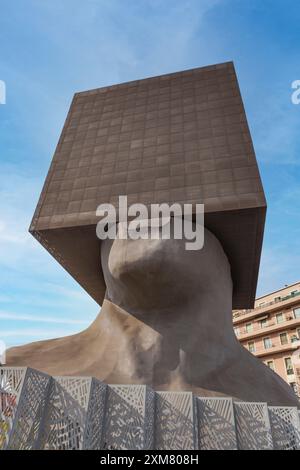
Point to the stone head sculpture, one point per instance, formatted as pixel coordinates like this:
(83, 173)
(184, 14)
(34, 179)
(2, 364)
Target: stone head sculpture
(160, 275)
(166, 316)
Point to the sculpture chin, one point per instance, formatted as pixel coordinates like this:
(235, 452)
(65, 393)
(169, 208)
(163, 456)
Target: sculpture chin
(149, 275)
(141, 274)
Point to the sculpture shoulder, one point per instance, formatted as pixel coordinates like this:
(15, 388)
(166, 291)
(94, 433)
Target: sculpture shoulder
(49, 356)
(259, 383)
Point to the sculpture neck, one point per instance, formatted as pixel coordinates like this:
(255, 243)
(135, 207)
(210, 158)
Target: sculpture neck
(170, 345)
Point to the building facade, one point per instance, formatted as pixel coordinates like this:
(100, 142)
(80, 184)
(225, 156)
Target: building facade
(271, 331)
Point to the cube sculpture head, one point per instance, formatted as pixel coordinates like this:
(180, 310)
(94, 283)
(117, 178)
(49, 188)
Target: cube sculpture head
(181, 137)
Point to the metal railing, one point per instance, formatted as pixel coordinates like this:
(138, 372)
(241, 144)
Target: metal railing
(239, 313)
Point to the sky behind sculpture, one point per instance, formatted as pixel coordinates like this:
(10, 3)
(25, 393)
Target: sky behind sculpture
(48, 54)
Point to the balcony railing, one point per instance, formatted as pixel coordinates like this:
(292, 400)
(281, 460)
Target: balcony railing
(238, 313)
(274, 348)
(290, 325)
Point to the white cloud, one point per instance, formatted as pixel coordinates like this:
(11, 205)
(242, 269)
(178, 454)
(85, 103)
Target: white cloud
(65, 291)
(40, 319)
(34, 284)
(34, 333)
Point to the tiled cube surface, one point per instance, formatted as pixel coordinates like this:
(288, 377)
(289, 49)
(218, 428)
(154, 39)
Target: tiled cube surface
(181, 137)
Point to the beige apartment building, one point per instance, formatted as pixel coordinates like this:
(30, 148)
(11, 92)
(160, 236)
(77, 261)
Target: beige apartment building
(271, 331)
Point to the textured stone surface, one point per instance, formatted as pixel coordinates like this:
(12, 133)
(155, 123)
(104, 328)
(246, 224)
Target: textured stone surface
(181, 137)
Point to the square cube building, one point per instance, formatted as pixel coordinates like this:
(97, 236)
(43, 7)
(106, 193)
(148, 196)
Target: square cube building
(181, 137)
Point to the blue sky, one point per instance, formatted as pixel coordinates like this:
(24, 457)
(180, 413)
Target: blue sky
(50, 49)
